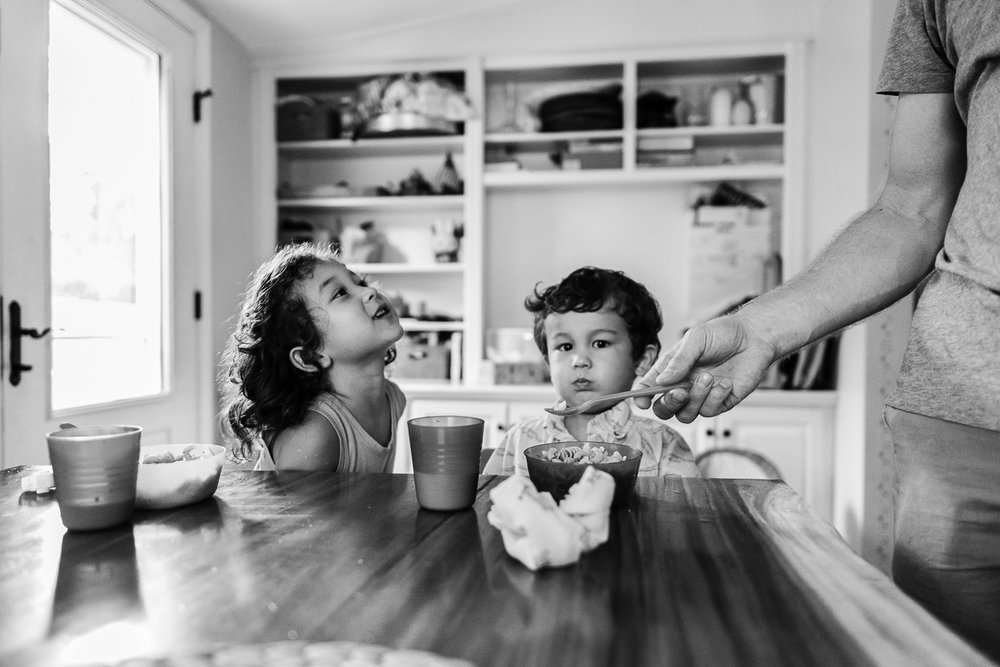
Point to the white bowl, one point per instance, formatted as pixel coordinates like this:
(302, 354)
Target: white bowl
(180, 482)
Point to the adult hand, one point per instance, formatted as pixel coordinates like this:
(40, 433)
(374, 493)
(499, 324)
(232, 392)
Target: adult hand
(725, 359)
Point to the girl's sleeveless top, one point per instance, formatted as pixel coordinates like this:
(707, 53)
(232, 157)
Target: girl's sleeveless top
(359, 452)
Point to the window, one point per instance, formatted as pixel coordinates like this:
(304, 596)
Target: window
(107, 217)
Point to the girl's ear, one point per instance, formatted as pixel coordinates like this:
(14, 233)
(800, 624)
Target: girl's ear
(303, 360)
(646, 361)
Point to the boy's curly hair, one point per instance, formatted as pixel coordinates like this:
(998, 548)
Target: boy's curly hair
(590, 289)
(261, 390)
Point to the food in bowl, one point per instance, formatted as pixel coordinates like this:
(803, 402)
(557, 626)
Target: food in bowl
(177, 475)
(556, 466)
(189, 453)
(585, 453)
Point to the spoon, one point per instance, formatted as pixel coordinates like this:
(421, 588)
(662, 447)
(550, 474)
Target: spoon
(604, 402)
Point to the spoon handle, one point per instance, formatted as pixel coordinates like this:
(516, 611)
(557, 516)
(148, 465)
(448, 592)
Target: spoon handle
(611, 399)
(646, 391)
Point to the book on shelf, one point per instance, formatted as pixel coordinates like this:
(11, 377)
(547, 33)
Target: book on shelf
(674, 142)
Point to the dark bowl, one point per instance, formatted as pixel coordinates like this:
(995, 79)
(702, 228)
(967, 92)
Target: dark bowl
(557, 477)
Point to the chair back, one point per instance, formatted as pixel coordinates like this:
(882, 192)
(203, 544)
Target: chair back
(734, 462)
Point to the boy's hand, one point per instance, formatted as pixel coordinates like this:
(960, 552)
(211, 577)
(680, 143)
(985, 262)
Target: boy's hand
(725, 360)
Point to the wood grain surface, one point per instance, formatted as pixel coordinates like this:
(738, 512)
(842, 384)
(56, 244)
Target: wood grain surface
(696, 572)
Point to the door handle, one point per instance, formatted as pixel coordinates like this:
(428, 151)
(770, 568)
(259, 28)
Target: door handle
(16, 332)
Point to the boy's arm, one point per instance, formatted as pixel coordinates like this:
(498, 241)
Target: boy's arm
(676, 457)
(312, 444)
(504, 458)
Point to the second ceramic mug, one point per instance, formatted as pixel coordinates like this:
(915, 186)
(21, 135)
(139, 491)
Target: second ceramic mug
(445, 451)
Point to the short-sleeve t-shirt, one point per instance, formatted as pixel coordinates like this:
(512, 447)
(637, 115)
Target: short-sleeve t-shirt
(951, 369)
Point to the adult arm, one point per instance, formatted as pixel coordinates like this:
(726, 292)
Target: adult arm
(877, 259)
(312, 444)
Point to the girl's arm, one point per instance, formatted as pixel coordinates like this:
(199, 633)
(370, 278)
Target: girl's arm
(312, 444)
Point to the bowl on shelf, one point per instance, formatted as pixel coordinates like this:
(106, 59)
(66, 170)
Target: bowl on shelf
(556, 466)
(406, 124)
(176, 475)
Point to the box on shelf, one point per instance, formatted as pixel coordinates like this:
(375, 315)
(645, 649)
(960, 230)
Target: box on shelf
(666, 151)
(514, 357)
(520, 372)
(419, 356)
(588, 154)
(730, 251)
(302, 118)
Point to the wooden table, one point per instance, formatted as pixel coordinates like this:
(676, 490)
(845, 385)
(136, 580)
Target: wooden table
(696, 572)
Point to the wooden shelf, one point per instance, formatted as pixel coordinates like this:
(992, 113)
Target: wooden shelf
(769, 129)
(550, 137)
(743, 172)
(413, 324)
(426, 202)
(365, 147)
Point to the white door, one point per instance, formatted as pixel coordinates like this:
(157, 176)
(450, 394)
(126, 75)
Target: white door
(101, 212)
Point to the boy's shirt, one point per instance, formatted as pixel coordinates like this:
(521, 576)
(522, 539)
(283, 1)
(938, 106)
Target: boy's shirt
(664, 451)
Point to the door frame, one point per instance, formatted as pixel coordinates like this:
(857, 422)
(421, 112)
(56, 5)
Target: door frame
(199, 28)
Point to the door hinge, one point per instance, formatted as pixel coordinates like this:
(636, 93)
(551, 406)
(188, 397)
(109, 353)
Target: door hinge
(197, 305)
(196, 99)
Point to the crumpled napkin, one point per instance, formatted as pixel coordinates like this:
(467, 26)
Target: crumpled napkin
(541, 533)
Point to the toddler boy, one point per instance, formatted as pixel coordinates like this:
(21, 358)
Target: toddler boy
(597, 330)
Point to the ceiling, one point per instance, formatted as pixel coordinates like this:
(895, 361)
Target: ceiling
(266, 27)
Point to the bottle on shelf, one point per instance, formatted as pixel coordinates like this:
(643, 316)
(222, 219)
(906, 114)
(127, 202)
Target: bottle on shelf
(696, 106)
(720, 107)
(743, 109)
(758, 91)
(347, 118)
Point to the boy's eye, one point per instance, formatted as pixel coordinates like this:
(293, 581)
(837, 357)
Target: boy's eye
(602, 343)
(563, 347)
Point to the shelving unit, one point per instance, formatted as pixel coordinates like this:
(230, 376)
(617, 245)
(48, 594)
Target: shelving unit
(328, 179)
(620, 177)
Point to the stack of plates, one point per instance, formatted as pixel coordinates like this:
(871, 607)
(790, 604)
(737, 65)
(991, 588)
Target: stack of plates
(599, 110)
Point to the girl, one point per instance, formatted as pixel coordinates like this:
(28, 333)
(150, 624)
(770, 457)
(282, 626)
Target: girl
(303, 382)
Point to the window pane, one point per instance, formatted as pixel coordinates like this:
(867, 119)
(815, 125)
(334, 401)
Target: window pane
(106, 180)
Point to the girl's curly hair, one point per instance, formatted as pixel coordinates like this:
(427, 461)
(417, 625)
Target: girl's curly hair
(590, 289)
(262, 391)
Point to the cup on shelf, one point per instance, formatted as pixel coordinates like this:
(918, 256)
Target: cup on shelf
(445, 451)
(95, 470)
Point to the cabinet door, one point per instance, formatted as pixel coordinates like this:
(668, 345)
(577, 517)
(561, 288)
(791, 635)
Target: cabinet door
(797, 440)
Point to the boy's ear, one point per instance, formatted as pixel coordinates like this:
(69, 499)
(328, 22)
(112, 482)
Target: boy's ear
(646, 361)
(301, 359)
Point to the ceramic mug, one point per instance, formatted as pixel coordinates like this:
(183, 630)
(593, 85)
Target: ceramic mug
(445, 451)
(95, 470)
